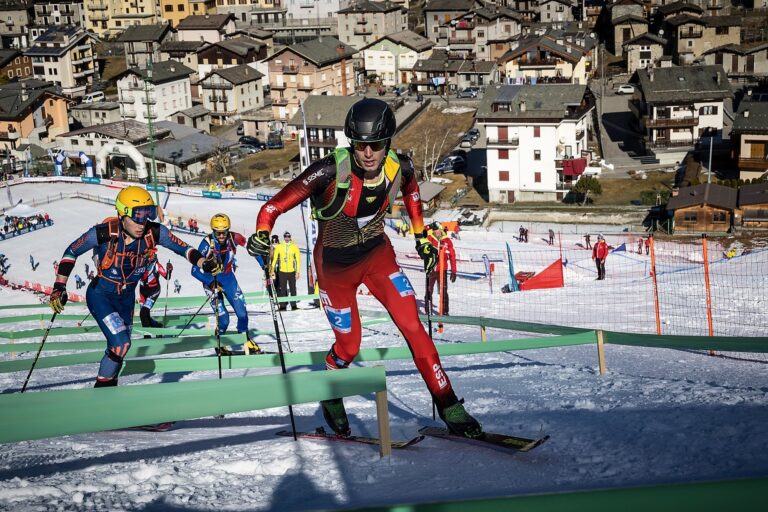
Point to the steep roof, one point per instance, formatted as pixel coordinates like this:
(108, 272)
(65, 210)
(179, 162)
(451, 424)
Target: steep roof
(449, 5)
(205, 22)
(64, 36)
(756, 193)
(143, 33)
(542, 101)
(325, 111)
(163, 71)
(7, 55)
(181, 46)
(756, 118)
(739, 49)
(629, 18)
(552, 41)
(12, 102)
(186, 150)
(369, 6)
(407, 38)
(321, 51)
(129, 130)
(708, 194)
(668, 9)
(238, 45)
(236, 74)
(194, 111)
(646, 38)
(684, 84)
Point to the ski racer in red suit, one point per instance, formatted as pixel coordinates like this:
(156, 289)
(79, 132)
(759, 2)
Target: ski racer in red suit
(351, 191)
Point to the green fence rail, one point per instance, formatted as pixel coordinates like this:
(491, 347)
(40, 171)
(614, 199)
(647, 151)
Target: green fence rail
(57, 413)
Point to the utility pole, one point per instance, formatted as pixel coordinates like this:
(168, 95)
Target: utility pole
(709, 167)
(150, 126)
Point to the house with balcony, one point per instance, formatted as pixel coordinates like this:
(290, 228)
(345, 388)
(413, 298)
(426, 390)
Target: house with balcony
(592, 10)
(555, 11)
(56, 12)
(670, 10)
(393, 57)
(537, 139)
(627, 21)
(98, 15)
(31, 112)
(364, 21)
(196, 116)
(174, 11)
(112, 17)
(678, 106)
(305, 10)
(750, 137)
(142, 42)
(184, 52)
(549, 58)
(325, 116)
(644, 51)
(64, 56)
(208, 28)
(437, 13)
(704, 208)
(179, 160)
(744, 63)
(228, 53)
(321, 66)
(474, 34)
(527, 9)
(261, 36)
(14, 18)
(227, 92)
(14, 64)
(99, 112)
(154, 94)
(691, 36)
(753, 205)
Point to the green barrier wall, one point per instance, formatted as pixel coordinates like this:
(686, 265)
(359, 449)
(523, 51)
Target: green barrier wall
(724, 496)
(56, 413)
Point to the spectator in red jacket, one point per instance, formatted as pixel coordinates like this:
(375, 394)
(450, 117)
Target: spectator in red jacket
(446, 253)
(599, 255)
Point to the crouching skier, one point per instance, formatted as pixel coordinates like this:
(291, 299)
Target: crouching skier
(351, 191)
(222, 244)
(123, 245)
(149, 288)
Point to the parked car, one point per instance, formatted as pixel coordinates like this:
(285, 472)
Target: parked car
(250, 141)
(468, 92)
(467, 141)
(247, 148)
(450, 164)
(626, 89)
(240, 129)
(274, 141)
(474, 133)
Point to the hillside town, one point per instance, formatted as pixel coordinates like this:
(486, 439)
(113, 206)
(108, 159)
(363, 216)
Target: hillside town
(565, 96)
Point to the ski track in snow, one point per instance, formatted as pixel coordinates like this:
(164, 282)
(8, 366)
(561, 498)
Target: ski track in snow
(657, 416)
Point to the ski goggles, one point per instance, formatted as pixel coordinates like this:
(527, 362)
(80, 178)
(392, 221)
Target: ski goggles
(220, 232)
(375, 145)
(141, 214)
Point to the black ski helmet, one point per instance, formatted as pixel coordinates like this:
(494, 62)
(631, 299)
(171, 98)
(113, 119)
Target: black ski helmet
(370, 120)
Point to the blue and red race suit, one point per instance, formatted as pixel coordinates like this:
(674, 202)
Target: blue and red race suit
(112, 294)
(352, 249)
(226, 279)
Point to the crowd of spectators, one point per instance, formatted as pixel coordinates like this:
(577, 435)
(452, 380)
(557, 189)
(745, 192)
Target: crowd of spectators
(18, 225)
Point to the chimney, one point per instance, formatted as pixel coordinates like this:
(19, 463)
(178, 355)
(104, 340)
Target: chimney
(718, 79)
(24, 93)
(173, 69)
(675, 191)
(195, 149)
(650, 74)
(746, 113)
(522, 105)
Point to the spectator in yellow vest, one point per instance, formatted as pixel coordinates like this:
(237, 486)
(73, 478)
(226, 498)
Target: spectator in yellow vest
(287, 259)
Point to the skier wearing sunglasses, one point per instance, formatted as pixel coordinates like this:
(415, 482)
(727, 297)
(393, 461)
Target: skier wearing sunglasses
(124, 245)
(351, 191)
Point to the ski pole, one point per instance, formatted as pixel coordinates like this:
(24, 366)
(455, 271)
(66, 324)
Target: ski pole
(167, 285)
(207, 300)
(215, 300)
(428, 308)
(80, 323)
(34, 362)
(273, 307)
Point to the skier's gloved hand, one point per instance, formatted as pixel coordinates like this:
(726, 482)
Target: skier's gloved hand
(212, 289)
(212, 265)
(168, 271)
(426, 251)
(453, 276)
(58, 297)
(258, 245)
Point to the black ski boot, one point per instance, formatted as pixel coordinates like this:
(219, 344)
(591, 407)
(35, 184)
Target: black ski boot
(336, 416)
(459, 421)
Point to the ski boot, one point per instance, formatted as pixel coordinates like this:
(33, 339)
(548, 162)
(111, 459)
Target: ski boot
(251, 347)
(336, 416)
(459, 421)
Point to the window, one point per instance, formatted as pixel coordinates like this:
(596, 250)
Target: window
(718, 217)
(503, 175)
(537, 177)
(168, 8)
(690, 43)
(180, 7)
(708, 110)
(537, 131)
(690, 217)
(503, 154)
(721, 31)
(537, 154)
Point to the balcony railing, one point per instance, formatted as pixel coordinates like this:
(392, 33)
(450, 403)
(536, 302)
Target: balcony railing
(753, 163)
(277, 87)
(98, 6)
(127, 98)
(665, 143)
(99, 17)
(148, 101)
(536, 63)
(222, 86)
(461, 40)
(691, 34)
(322, 143)
(672, 122)
(363, 31)
(509, 141)
(129, 112)
(290, 70)
(11, 136)
(464, 25)
(305, 87)
(280, 101)
(81, 74)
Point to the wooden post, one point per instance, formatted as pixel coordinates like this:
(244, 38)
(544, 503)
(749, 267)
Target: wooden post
(382, 414)
(601, 351)
(655, 287)
(483, 336)
(707, 284)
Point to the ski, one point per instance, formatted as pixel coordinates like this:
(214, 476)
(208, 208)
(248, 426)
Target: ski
(157, 427)
(227, 352)
(320, 433)
(490, 439)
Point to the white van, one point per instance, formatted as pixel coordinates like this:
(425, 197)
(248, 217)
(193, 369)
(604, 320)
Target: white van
(93, 97)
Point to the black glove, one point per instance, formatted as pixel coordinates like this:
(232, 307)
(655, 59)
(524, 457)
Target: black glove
(213, 288)
(453, 276)
(258, 245)
(426, 251)
(168, 270)
(58, 297)
(212, 265)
